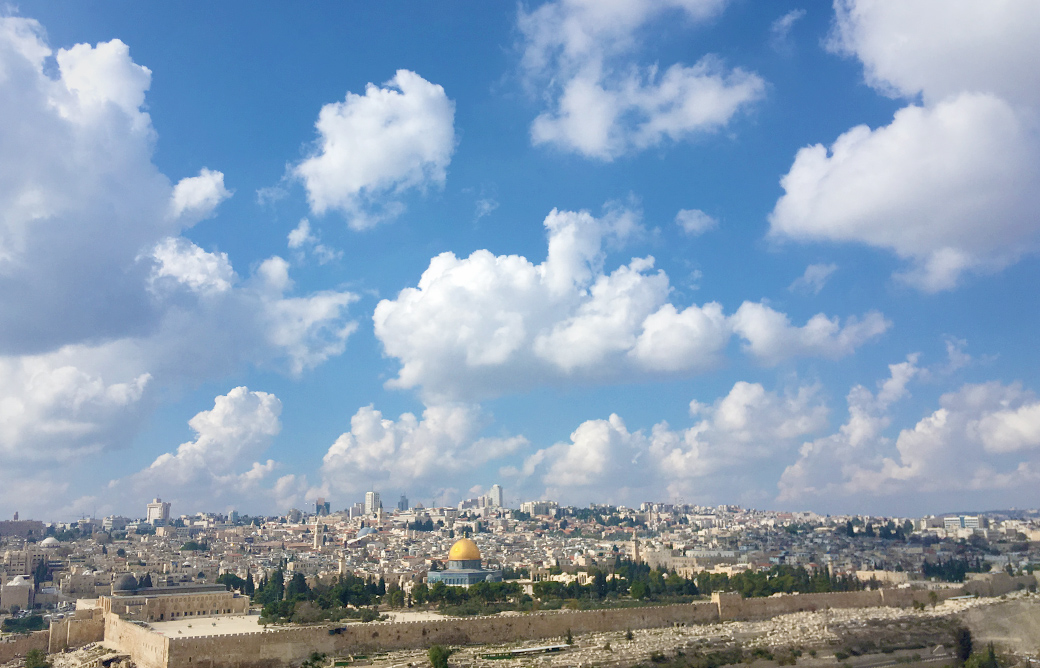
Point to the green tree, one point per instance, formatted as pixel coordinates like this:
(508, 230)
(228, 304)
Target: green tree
(36, 658)
(962, 645)
(231, 581)
(41, 573)
(297, 588)
(438, 655)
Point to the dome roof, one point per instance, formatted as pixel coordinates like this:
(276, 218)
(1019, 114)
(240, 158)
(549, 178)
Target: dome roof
(366, 531)
(125, 582)
(49, 541)
(464, 550)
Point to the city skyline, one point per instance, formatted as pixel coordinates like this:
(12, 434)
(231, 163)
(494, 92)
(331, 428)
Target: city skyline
(252, 257)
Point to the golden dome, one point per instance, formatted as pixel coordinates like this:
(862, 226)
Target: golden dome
(464, 550)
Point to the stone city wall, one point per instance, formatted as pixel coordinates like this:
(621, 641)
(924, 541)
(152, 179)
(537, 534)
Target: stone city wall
(11, 648)
(148, 648)
(732, 606)
(287, 646)
(72, 632)
(292, 645)
(997, 584)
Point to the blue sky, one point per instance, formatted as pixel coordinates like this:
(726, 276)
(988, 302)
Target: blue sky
(617, 251)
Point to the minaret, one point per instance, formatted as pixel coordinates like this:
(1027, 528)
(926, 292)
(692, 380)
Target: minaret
(319, 534)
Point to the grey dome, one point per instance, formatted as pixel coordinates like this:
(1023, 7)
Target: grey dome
(126, 582)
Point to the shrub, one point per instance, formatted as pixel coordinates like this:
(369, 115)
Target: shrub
(36, 658)
(439, 656)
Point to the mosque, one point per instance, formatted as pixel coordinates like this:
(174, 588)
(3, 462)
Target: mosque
(464, 567)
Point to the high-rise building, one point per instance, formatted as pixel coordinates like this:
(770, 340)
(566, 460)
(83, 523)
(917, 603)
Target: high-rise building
(372, 503)
(158, 512)
(321, 506)
(402, 504)
(495, 496)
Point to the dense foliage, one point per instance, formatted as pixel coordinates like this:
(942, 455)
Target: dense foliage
(297, 601)
(953, 570)
(23, 625)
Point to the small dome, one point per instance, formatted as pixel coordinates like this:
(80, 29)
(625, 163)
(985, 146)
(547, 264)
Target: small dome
(464, 550)
(125, 582)
(49, 541)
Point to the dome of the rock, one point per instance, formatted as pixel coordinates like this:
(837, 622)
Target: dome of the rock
(464, 550)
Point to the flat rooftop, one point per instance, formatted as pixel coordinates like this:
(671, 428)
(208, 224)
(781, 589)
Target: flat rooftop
(194, 627)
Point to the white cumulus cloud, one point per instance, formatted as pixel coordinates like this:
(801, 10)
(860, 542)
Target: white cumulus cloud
(601, 104)
(983, 438)
(770, 336)
(373, 147)
(220, 466)
(695, 222)
(603, 457)
(490, 324)
(411, 452)
(105, 304)
(197, 197)
(947, 186)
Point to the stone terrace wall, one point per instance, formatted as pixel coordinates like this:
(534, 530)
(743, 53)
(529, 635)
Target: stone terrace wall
(21, 645)
(148, 648)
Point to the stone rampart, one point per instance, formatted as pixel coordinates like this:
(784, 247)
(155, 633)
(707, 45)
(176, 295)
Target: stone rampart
(288, 646)
(148, 649)
(14, 647)
(77, 631)
(732, 606)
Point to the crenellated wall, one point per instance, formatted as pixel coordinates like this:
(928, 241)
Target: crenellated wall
(291, 646)
(288, 646)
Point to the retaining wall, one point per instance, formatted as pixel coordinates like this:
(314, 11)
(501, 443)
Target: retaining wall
(81, 629)
(290, 646)
(20, 645)
(148, 649)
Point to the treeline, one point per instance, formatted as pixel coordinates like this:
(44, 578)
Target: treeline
(23, 624)
(953, 570)
(297, 601)
(887, 531)
(483, 592)
(643, 583)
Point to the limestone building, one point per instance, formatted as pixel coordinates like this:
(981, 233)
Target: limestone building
(158, 512)
(464, 567)
(157, 604)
